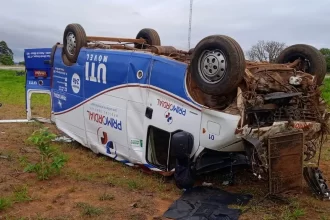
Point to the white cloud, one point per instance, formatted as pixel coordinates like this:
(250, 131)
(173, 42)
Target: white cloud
(40, 23)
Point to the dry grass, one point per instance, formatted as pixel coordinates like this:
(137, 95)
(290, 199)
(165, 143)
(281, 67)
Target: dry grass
(101, 188)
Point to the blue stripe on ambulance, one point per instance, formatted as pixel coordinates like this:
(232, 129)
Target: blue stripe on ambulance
(117, 64)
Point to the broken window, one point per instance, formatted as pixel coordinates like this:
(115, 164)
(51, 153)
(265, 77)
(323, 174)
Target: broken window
(158, 147)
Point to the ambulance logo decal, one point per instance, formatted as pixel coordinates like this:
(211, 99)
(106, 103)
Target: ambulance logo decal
(75, 83)
(168, 117)
(104, 140)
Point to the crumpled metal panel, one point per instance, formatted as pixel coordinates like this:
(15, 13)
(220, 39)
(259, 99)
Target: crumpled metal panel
(285, 155)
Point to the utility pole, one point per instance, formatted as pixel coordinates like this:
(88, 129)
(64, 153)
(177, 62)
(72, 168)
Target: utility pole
(190, 19)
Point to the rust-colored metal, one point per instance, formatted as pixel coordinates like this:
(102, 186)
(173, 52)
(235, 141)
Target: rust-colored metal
(285, 158)
(115, 39)
(163, 50)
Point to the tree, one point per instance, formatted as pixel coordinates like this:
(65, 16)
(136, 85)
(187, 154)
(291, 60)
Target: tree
(6, 60)
(6, 54)
(21, 63)
(265, 51)
(326, 53)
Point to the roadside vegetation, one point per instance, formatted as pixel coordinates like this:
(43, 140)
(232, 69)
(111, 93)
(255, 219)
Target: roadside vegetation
(77, 184)
(326, 90)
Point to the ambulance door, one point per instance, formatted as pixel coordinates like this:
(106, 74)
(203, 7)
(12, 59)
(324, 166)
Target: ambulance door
(105, 106)
(138, 75)
(169, 110)
(68, 96)
(38, 74)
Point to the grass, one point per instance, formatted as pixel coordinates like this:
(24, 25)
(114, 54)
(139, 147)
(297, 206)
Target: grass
(292, 214)
(5, 203)
(21, 194)
(122, 176)
(326, 90)
(9, 82)
(89, 210)
(106, 196)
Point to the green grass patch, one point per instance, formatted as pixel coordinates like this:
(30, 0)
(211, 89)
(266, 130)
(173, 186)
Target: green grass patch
(325, 88)
(21, 194)
(4, 203)
(12, 89)
(89, 210)
(294, 214)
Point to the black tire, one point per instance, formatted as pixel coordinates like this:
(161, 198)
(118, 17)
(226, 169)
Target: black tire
(80, 40)
(52, 54)
(66, 61)
(317, 62)
(228, 78)
(150, 35)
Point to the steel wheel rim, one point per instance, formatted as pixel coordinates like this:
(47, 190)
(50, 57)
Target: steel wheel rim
(71, 43)
(212, 66)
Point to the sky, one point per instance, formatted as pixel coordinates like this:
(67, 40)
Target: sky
(41, 23)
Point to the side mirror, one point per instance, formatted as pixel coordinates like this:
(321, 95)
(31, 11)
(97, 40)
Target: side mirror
(47, 62)
(182, 144)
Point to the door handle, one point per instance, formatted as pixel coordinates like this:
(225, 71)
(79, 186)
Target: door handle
(149, 112)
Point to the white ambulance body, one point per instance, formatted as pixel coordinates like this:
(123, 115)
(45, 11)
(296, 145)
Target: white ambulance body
(134, 106)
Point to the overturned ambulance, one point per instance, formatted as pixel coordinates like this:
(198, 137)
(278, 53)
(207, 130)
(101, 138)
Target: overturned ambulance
(184, 112)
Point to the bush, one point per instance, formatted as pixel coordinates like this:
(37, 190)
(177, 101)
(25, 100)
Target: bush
(51, 160)
(6, 60)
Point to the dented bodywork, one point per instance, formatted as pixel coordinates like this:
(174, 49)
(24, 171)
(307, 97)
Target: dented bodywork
(272, 99)
(184, 112)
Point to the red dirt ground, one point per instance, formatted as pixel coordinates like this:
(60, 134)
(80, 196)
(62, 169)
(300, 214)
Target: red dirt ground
(133, 194)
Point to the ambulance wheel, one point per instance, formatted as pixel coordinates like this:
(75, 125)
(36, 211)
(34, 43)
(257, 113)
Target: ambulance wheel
(150, 36)
(74, 39)
(315, 61)
(217, 65)
(66, 61)
(52, 54)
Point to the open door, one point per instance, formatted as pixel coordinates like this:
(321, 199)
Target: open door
(38, 75)
(168, 111)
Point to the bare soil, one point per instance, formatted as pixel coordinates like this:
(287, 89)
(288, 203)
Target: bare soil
(111, 190)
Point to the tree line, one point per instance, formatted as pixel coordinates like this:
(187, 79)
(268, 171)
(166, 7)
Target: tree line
(268, 51)
(261, 51)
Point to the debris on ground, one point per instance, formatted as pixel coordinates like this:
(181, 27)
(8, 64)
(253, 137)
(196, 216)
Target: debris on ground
(203, 203)
(63, 139)
(316, 182)
(225, 183)
(3, 157)
(134, 205)
(207, 184)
